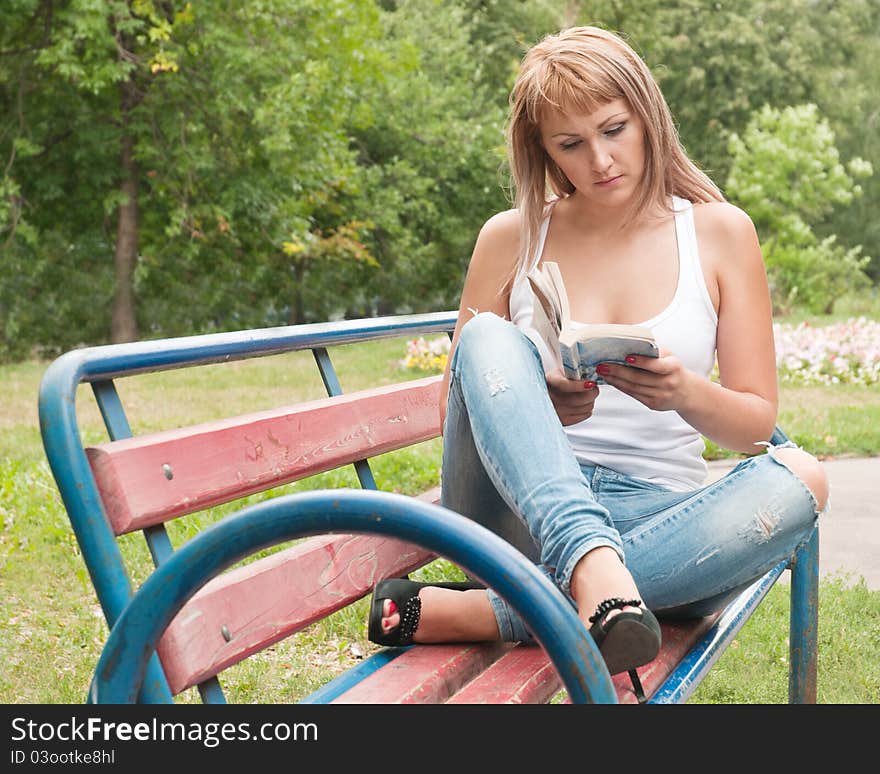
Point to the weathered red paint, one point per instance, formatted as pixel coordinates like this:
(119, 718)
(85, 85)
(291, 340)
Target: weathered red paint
(427, 674)
(524, 675)
(152, 478)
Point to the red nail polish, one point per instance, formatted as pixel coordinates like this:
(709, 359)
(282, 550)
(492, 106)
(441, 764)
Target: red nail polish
(630, 359)
(603, 368)
(589, 385)
(391, 607)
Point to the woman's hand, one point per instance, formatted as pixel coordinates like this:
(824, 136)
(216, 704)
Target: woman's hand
(661, 383)
(573, 400)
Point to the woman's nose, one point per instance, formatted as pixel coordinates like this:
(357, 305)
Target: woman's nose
(602, 161)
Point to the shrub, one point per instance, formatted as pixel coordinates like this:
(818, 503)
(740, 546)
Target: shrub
(787, 174)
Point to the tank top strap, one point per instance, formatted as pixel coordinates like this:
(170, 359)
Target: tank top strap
(686, 234)
(690, 269)
(542, 238)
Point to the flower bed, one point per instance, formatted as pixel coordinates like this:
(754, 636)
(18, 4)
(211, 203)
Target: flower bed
(847, 352)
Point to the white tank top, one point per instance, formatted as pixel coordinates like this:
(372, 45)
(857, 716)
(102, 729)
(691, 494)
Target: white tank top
(622, 433)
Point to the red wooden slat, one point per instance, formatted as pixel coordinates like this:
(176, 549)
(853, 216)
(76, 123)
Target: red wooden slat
(156, 477)
(260, 603)
(426, 674)
(522, 676)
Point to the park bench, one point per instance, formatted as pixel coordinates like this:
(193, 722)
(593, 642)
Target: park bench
(204, 609)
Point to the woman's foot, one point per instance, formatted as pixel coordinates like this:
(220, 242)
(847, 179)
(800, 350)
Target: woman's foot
(406, 611)
(626, 633)
(598, 576)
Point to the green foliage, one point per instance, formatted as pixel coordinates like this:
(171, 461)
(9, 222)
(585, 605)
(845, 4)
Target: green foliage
(429, 159)
(293, 167)
(848, 97)
(716, 61)
(813, 274)
(787, 174)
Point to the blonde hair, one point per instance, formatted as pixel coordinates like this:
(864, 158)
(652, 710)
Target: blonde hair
(579, 70)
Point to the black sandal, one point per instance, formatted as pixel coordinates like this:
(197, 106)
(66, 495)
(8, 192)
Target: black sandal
(628, 640)
(405, 594)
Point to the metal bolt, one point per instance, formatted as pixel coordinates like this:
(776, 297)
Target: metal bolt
(166, 469)
(227, 635)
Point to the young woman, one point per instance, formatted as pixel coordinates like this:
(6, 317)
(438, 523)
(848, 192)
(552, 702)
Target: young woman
(604, 485)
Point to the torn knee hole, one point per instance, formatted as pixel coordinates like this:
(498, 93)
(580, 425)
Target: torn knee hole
(764, 525)
(495, 381)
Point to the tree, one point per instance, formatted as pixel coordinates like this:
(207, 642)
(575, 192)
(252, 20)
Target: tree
(430, 157)
(786, 172)
(109, 53)
(849, 96)
(211, 136)
(170, 167)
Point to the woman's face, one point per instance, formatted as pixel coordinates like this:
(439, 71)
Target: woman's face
(601, 153)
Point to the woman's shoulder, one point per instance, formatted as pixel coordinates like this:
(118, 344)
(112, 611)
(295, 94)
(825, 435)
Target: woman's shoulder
(723, 220)
(728, 243)
(498, 240)
(492, 263)
(502, 225)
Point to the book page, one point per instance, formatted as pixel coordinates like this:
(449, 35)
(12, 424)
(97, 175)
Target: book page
(580, 349)
(551, 269)
(546, 329)
(600, 330)
(547, 296)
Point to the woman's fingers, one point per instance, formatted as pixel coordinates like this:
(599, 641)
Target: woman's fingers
(573, 400)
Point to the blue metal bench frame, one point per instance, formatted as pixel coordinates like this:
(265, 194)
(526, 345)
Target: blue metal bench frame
(99, 366)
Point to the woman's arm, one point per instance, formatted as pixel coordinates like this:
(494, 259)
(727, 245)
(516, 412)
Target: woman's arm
(741, 410)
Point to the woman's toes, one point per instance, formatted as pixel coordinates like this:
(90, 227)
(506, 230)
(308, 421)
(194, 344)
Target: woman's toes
(628, 609)
(390, 618)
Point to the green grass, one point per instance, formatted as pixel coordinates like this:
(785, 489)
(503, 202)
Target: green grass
(863, 304)
(754, 669)
(53, 630)
(827, 421)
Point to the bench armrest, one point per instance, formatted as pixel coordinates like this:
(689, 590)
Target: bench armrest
(552, 619)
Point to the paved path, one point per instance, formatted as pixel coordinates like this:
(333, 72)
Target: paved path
(849, 534)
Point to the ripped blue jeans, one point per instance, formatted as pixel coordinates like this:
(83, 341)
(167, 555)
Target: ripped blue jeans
(507, 464)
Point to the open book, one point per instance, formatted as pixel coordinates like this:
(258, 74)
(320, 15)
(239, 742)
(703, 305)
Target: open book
(580, 348)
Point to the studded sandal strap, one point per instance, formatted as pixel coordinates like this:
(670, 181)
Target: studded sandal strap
(614, 603)
(409, 620)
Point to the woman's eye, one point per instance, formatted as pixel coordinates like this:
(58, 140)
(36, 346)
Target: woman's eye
(569, 145)
(615, 130)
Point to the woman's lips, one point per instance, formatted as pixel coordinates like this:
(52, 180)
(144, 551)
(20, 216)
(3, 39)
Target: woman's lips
(609, 181)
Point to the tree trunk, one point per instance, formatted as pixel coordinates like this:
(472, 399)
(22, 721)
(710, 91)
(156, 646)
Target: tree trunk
(123, 325)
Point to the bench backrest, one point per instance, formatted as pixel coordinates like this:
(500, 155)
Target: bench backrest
(140, 483)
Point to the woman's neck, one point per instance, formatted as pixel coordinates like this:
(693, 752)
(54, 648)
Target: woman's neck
(607, 220)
